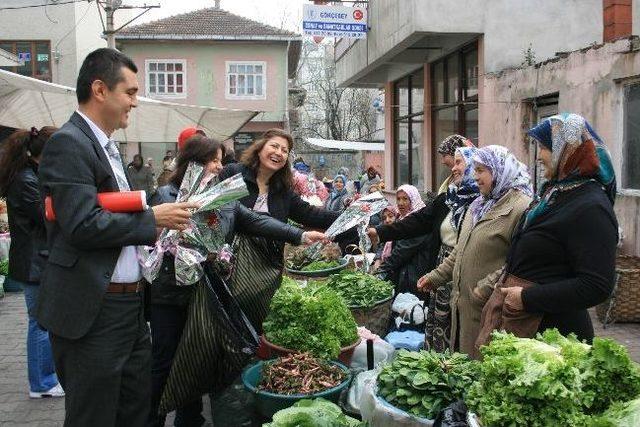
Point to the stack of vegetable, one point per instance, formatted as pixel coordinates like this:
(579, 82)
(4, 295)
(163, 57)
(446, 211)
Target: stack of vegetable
(360, 289)
(313, 413)
(551, 380)
(311, 318)
(4, 267)
(300, 374)
(620, 415)
(424, 383)
(320, 265)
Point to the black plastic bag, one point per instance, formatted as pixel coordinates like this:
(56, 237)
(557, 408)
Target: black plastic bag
(454, 415)
(217, 342)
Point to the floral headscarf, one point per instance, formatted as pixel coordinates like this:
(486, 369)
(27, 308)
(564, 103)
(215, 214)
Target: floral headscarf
(578, 156)
(508, 173)
(414, 198)
(459, 197)
(450, 144)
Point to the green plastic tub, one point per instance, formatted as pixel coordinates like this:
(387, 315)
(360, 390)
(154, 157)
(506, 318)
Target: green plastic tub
(268, 404)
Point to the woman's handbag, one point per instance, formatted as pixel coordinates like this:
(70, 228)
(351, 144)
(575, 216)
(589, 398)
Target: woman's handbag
(498, 316)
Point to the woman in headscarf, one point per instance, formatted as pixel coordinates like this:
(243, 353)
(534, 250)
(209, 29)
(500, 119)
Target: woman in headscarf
(462, 191)
(409, 258)
(565, 246)
(476, 262)
(447, 150)
(336, 199)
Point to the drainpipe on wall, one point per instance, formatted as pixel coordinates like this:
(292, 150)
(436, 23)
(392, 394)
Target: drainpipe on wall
(286, 88)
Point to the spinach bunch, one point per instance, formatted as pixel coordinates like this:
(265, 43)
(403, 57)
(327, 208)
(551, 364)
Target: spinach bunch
(360, 289)
(424, 383)
(311, 318)
(4, 267)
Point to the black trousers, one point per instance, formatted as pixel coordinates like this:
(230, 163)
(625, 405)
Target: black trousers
(167, 324)
(106, 374)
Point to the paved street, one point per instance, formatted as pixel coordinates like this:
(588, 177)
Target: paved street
(16, 409)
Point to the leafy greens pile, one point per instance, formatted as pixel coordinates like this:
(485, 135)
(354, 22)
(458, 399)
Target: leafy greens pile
(312, 413)
(360, 289)
(551, 380)
(311, 318)
(620, 415)
(424, 383)
(4, 267)
(320, 265)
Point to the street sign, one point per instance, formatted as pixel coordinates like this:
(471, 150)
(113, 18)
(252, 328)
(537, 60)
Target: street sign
(24, 56)
(334, 21)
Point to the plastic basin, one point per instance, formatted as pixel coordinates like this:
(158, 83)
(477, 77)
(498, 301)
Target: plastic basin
(268, 403)
(269, 349)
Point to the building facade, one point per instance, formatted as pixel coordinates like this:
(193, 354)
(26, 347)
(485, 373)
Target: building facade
(215, 58)
(53, 39)
(490, 70)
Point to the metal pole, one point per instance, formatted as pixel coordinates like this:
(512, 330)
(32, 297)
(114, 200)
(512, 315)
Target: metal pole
(109, 10)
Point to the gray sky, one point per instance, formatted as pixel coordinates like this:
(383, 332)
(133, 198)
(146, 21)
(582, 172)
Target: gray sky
(285, 14)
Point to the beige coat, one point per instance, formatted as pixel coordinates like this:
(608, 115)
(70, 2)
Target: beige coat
(475, 265)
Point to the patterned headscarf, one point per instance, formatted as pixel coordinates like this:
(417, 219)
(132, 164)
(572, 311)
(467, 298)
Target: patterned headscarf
(578, 156)
(508, 173)
(449, 145)
(414, 198)
(459, 197)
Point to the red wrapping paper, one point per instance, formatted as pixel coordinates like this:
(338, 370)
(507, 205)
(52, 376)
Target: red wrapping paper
(119, 202)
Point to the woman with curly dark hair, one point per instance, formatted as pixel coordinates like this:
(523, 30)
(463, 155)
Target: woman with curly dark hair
(27, 254)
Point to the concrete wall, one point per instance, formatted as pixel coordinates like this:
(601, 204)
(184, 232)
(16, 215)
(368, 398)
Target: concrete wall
(635, 17)
(509, 27)
(590, 83)
(206, 71)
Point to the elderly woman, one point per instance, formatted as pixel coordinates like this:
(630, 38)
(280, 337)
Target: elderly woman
(337, 197)
(409, 258)
(485, 236)
(447, 150)
(565, 247)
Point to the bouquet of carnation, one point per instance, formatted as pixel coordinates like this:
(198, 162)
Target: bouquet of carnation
(203, 238)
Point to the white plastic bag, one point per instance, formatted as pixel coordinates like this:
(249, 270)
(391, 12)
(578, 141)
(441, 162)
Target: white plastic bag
(382, 352)
(409, 309)
(380, 413)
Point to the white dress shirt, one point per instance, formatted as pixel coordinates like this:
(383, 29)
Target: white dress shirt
(127, 268)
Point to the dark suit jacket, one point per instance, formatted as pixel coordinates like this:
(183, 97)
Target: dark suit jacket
(85, 240)
(27, 253)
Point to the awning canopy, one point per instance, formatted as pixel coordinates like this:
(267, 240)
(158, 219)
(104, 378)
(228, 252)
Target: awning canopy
(8, 59)
(346, 145)
(27, 102)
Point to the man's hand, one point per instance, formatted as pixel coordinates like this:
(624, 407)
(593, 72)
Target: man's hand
(513, 298)
(373, 235)
(309, 237)
(424, 285)
(174, 216)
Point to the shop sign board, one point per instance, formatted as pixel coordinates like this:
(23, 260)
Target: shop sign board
(334, 21)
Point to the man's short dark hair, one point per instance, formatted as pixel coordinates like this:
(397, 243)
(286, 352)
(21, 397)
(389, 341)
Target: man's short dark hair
(102, 64)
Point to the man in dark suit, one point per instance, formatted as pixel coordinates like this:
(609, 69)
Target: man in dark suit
(91, 291)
